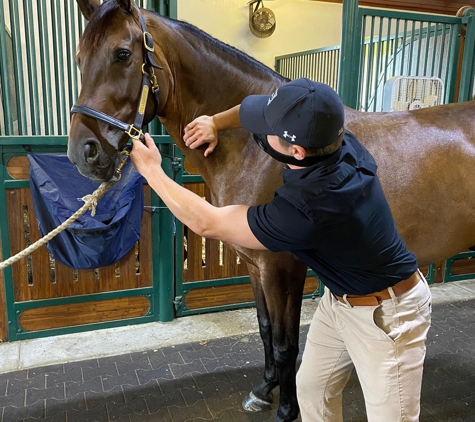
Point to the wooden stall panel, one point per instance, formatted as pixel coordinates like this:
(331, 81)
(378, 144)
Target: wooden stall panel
(232, 294)
(463, 266)
(84, 313)
(208, 259)
(38, 276)
(18, 167)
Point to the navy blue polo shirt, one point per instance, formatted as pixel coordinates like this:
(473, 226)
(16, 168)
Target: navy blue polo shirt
(335, 218)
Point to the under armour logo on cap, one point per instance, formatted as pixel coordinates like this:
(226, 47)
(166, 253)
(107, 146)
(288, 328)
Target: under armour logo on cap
(292, 137)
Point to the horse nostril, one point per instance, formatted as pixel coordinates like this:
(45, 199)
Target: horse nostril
(90, 151)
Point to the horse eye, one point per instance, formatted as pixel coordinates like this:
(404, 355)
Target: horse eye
(123, 55)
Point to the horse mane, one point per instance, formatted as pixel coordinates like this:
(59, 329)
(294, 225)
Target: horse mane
(220, 45)
(97, 29)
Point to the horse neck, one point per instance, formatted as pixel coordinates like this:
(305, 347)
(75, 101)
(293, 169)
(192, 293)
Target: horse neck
(206, 78)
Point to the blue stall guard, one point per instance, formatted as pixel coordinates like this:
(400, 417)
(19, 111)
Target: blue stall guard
(90, 242)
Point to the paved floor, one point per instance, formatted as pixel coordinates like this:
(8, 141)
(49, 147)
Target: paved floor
(207, 380)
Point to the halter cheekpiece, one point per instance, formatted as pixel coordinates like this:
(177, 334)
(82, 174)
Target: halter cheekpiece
(149, 81)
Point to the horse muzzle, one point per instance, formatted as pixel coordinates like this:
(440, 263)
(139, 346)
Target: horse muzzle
(91, 160)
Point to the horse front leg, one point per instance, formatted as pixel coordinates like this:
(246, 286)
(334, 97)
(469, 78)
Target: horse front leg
(280, 288)
(261, 397)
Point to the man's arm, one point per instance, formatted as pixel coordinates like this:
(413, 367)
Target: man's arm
(204, 129)
(228, 224)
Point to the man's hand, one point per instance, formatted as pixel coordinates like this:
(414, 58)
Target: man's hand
(202, 130)
(145, 157)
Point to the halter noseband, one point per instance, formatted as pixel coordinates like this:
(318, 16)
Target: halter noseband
(149, 81)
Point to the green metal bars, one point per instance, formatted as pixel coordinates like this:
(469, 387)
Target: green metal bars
(379, 44)
(318, 65)
(419, 45)
(39, 80)
(385, 43)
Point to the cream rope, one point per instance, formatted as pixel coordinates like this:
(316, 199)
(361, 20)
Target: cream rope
(90, 202)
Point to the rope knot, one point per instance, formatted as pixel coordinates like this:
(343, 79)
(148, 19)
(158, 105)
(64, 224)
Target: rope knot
(91, 200)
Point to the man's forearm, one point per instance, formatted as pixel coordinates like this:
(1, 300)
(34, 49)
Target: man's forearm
(189, 208)
(228, 223)
(228, 119)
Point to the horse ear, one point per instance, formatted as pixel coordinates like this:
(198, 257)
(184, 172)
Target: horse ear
(88, 7)
(126, 5)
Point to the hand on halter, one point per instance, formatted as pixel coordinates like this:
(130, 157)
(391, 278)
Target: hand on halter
(145, 156)
(201, 131)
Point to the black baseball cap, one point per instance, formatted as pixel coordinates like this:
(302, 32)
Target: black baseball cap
(302, 112)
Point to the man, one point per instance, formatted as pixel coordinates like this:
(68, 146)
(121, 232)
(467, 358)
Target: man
(331, 212)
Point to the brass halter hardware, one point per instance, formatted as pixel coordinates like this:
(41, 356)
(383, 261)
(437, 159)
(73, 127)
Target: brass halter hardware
(123, 156)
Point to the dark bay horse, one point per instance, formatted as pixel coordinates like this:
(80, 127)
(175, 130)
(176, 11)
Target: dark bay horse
(426, 158)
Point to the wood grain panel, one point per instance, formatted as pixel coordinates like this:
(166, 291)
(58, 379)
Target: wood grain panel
(426, 6)
(208, 259)
(38, 277)
(463, 266)
(232, 294)
(311, 284)
(84, 313)
(219, 296)
(18, 168)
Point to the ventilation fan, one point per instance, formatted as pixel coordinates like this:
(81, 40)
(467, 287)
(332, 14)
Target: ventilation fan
(261, 19)
(411, 93)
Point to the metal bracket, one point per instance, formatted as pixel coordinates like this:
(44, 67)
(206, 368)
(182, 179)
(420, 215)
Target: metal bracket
(178, 302)
(177, 163)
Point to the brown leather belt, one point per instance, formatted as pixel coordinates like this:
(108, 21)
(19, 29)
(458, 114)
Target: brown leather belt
(375, 299)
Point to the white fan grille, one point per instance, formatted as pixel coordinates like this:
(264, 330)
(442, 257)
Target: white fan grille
(411, 93)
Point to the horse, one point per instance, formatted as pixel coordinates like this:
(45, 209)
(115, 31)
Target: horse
(136, 64)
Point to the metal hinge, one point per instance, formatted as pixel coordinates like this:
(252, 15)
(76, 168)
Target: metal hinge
(178, 302)
(177, 163)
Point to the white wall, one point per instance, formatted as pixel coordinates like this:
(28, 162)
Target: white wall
(301, 25)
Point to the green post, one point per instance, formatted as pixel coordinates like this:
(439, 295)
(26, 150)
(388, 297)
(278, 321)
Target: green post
(162, 255)
(466, 78)
(5, 241)
(349, 56)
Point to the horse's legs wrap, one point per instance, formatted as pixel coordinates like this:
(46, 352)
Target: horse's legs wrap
(279, 318)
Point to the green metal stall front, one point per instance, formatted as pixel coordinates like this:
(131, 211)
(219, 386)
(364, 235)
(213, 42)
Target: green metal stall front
(38, 287)
(39, 82)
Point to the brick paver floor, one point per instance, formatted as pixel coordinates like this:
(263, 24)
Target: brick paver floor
(198, 382)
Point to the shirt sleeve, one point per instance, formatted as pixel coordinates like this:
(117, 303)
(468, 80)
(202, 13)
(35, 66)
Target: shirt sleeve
(280, 226)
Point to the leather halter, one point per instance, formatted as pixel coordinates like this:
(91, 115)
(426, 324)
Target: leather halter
(149, 81)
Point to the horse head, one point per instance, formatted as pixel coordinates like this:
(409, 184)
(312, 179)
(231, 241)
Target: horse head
(120, 81)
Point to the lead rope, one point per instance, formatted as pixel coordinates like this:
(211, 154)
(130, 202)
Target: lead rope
(90, 202)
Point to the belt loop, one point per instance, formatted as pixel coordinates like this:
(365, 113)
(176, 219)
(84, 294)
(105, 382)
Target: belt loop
(392, 294)
(347, 304)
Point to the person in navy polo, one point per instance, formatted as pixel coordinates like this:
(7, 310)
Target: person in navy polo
(331, 212)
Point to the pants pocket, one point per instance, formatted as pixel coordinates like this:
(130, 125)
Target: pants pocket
(387, 322)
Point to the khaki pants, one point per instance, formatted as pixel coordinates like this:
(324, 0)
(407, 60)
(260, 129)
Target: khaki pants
(386, 346)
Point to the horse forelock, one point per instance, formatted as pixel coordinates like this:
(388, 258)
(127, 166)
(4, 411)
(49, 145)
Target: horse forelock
(99, 27)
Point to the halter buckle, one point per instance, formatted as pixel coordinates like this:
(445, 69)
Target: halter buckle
(122, 160)
(133, 132)
(153, 82)
(148, 41)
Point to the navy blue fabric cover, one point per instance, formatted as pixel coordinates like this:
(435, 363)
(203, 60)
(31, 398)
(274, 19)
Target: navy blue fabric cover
(90, 242)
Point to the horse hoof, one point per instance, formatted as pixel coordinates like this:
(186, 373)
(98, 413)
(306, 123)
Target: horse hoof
(254, 404)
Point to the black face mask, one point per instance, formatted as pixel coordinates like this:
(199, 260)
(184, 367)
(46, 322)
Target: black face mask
(263, 143)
